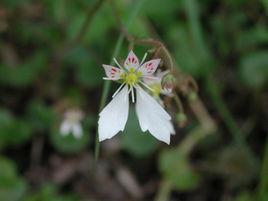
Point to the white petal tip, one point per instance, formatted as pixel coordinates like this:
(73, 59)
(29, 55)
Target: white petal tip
(100, 140)
(167, 141)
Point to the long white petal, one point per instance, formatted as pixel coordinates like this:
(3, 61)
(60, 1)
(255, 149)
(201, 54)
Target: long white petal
(114, 116)
(153, 117)
(77, 130)
(65, 128)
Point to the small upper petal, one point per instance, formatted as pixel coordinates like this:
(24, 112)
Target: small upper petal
(113, 73)
(149, 67)
(131, 61)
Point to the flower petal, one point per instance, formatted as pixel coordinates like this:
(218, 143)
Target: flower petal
(131, 61)
(151, 80)
(65, 128)
(112, 72)
(114, 116)
(77, 130)
(149, 67)
(153, 117)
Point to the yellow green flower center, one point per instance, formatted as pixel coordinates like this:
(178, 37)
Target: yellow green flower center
(132, 77)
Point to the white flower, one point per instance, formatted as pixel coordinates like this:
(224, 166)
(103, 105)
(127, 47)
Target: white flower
(71, 123)
(151, 115)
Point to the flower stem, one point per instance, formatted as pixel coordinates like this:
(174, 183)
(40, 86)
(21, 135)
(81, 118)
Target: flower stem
(164, 192)
(107, 84)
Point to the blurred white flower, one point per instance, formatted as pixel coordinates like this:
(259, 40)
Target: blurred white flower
(71, 123)
(151, 115)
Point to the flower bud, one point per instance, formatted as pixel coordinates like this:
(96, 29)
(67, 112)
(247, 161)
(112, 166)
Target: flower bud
(192, 96)
(181, 119)
(168, 82)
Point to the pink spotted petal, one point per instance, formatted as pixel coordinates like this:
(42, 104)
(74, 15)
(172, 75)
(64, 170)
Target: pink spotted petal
(149, 67)
(112, 72)
(131, 61)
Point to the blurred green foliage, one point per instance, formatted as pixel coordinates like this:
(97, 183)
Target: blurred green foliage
(136, 142)
(12, 130)
(41, 66)
(48, 192)
(177, 170)
(12, 186)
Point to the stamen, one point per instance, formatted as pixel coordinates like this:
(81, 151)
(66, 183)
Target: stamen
(146, 86)
(143, 59)
(116, 92)
(129, 90)
(117, 63)
(107, 78)
(132, 94)
(150, 77)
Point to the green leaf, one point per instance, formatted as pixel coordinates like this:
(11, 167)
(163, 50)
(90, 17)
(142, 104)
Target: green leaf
(12, 188)
(244, 196)
(139, 29)
(254, 69)
(158, 10)
(87, 72)
(100, 27)
(235, 165)
(40, 115)
(25, 73)
(249, 39)
(13, 3)
(176, 169)
(134, 140)
(48, 192)
(13, 131)
(265, 5)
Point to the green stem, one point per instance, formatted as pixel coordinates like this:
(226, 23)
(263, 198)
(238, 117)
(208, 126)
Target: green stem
(193, 18)
(107, 84)
(164, 192)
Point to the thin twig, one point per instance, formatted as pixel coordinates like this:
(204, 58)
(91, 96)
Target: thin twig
(164, 191)
(179, 103)
(36, 151)
(159, 45)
